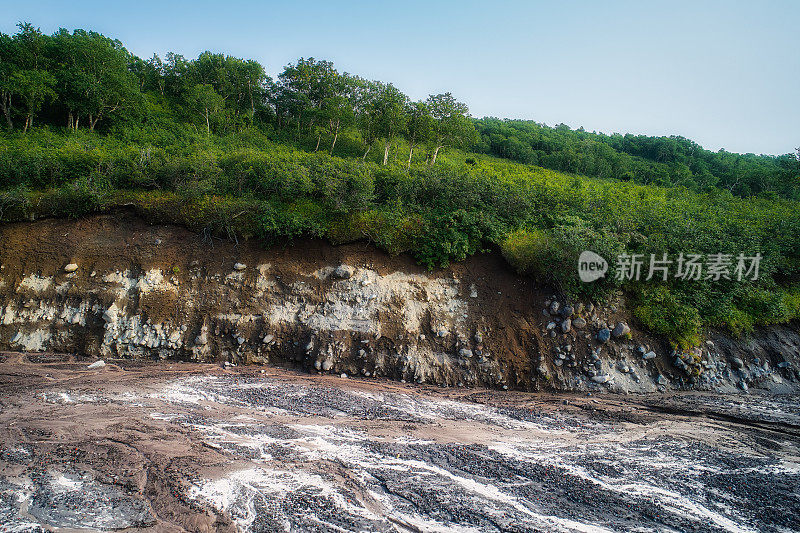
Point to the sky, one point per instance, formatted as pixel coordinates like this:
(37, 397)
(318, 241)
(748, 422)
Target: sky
(723, 73)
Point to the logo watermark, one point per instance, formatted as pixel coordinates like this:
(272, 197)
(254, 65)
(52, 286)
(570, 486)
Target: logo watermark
(591, 266)
(691, 267)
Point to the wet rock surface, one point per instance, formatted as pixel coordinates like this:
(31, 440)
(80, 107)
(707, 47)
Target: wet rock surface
(192, 447)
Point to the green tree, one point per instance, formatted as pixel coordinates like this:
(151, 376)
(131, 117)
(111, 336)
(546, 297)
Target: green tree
(389, 109)
(34, 87)
(420, 127)
(8, 65)
(203, 100)
(452, 125)
(93, 77)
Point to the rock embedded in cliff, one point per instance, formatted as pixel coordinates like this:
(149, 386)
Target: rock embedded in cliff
(343, 272)
(649, 355)
(736, 363)
(239, 266)
(111, 314)
(72, 267)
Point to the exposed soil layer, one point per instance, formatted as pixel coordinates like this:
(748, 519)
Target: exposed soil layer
(160, 446)
(113, 286)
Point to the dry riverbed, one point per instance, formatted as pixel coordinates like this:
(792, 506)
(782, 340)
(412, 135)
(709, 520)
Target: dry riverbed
(190, 447)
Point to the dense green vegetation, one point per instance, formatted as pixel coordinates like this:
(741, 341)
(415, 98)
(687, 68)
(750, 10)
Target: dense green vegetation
(666, 161)
(214, 144)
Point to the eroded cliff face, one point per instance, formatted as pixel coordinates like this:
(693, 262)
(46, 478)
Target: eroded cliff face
(114, 287)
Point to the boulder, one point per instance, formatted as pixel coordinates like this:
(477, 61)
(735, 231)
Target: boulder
(601, 378)
(554, 307)
(579, 323)
(239, 266)
(567, 311)
(603, 335)
(566, 325)
(96, 365)
(72, 267)
(620, 330)
(736, 362)
(649, 355)
(343, 272)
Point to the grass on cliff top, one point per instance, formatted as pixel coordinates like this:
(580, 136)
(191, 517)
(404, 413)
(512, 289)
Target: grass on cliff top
(247, 186)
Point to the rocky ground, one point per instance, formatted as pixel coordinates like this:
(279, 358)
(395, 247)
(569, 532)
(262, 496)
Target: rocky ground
(159, 446)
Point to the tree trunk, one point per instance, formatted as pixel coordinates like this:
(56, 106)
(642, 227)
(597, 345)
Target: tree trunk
(435, 153)
(364, 158)
(5, 102)
(410, 153)
(319, 138)
(335, 135)
(386, 153)
(208, 124)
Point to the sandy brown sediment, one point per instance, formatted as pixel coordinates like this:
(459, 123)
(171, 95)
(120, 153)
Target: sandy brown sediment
(195, 447)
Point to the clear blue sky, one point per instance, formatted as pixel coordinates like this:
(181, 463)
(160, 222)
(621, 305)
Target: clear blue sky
(724, 73)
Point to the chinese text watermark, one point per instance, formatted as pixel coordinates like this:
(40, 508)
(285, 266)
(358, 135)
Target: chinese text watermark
(690, 267)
